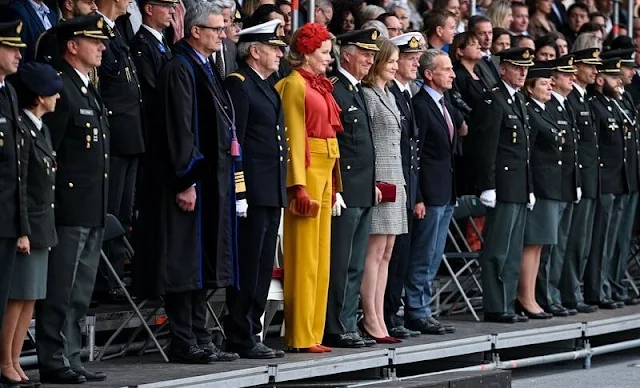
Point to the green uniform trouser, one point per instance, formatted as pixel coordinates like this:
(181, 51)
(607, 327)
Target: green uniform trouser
(552, 261)
(577, 252)
(605, 233)
(620, 258)
(501, 256)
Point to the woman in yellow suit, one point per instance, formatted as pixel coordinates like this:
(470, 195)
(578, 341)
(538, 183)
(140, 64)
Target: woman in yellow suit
(312, 119)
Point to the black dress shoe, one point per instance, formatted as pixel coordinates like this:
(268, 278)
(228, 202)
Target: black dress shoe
(90, 376)
(7, 382)
(399, 332)
(521, 318)
(344, 340)
(522, 311)
(61, 376)
(219, 355)
(583, 308)
(608, 305)
(190, 355)
(29, 384)
(447, 328)
(425, 326)
(557, 310)
(500, 318)
(368, 341)
(258, 352)
(631, 301)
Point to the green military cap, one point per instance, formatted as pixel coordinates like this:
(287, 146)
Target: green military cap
(610, 66)
(540, 69)
(90, 26)
(564, 64)
(364, 39)
(590, 56)
(518, 56)
(10, 34)
(626, 56)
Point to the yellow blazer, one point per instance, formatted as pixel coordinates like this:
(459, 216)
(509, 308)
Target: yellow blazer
(292, 93)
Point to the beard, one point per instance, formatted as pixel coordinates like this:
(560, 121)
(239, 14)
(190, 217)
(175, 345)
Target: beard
(610, 91)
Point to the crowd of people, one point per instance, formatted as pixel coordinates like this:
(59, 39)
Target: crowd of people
(206, 126)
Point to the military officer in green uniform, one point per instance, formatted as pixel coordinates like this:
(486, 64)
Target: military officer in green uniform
(580, 231)
(552, 258)
(352, 208)
(504, 179)
(627, 107)
(612, 132)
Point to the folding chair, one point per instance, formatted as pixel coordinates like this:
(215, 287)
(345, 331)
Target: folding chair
(113, 231)
(275, 298)
(468, 287)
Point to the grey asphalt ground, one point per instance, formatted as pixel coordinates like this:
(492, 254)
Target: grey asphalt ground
(607, 371)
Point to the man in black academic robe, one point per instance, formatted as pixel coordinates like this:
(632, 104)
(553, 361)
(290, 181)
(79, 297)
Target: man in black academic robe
(190, 217)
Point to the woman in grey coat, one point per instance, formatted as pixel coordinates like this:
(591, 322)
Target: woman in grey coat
(389, 219)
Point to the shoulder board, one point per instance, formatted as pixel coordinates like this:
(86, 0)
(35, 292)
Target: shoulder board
(238, 75)
(333, 79)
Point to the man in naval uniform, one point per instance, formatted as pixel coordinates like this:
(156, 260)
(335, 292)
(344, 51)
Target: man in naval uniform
(261, 133)
(504, 178)
(80, 136)
(552, 257)
(581, 229)
(352, 208)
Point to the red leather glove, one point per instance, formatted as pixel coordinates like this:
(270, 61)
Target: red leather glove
(303, 200)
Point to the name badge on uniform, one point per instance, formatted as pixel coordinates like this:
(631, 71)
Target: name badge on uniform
(562, 122)
(86, 112)
(584, 113)
(512, 116)
(3, 120)
(95, 135)
(352, 109)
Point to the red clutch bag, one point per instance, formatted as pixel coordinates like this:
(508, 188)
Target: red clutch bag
(313, 210)
(388, 191)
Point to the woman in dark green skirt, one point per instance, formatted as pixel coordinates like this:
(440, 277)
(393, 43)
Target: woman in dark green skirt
(542, 221)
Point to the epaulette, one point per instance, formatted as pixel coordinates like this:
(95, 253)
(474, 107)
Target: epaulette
(333, 80)
(240, 76)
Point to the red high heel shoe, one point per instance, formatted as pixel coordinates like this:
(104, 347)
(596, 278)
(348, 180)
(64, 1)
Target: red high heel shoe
(326, 349)
(380, 340)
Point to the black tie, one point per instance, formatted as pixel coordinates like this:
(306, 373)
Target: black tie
(407, 97)
(166, 46)
(220, 64)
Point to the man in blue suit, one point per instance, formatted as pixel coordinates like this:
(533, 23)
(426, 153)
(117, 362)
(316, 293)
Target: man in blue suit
(37, 18)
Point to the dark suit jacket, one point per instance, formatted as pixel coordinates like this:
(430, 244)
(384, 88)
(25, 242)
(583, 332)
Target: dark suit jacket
(470, 89)
(261, 133)
(611, 145)
(565, 121)
(357, 155)
(563, 13)
(437, 168)
(588, 161)
(32, 27)
(502, 140)
(41, 180)
(634, 88)
(546, 152)
(485, 73)
(631, 139)
(80, 137)
(409, 144)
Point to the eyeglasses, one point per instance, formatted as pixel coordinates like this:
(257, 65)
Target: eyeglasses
(395, 29)
(165, 5)
(217, 30)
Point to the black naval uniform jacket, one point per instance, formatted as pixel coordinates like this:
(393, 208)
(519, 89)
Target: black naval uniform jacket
(13, 191)
(587, 134)
(262, 136)
(502, 139)
(409, 145)
(629, 120)
(565, 122)
(120, 91)
(41, 180)
(612, 144)
(80, 137)
(546, 152)
(357, 155)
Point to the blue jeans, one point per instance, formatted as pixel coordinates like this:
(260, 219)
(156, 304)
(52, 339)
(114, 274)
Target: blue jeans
(428, 239)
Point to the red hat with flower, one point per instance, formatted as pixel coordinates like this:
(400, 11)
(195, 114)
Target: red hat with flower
(310, 37)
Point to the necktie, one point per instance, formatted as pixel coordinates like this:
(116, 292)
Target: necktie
(407, 97)
(220, 64)
(43, 15)
(447, 118)
(166, 46)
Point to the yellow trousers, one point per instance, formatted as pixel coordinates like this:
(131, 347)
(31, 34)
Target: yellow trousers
(306, 251)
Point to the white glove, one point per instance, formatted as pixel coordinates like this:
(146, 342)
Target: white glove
(578, 194)
(336, 210)
(488, 198)
(532, 201)
(242, 208)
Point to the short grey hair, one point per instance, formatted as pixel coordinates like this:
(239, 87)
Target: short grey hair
(244, 48)
(397, 4)
(324, 4)
(371, 12)
(222, 4)
(378, 25)
(197, 15)
(428, 60)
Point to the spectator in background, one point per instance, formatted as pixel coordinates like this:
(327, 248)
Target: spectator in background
(346, 18)
(524, 41)
(236, 25)
(501, 40)
(36, 18)
(586, 41)
(599, 19)
(578, 15)
(401, 11)
(481, 27)
(378, 25)
(594, 31)
(439, 28)
(452, 6)
(561, 43)
(500, 14)
(285, 9)
(324, 12)
(539, 24)
(546, 49)
(394, 27)
(520, 23)
(371, 12)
